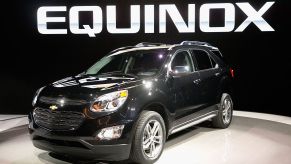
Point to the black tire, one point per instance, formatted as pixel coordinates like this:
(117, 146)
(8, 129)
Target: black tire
(219, 121)
(137, 153)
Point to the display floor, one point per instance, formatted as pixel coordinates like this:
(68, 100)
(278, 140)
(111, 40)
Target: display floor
(252, 138)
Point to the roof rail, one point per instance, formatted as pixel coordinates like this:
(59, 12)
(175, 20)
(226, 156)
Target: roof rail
(195, 43)
(148, 44)
(121, 48)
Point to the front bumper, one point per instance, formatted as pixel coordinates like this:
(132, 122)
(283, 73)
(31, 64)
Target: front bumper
(78, 144)
(83, 149)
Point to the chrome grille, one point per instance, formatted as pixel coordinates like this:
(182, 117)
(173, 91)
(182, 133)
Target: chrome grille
(52, 100)
(58, 120)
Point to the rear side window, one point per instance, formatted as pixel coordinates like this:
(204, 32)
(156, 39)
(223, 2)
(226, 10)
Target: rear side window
(202, 58)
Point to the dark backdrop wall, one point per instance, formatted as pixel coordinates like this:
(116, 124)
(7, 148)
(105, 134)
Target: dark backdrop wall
(30, 60)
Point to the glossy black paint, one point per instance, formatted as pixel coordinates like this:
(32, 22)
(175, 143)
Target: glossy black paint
(174, 96)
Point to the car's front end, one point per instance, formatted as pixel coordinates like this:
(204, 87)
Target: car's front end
(92, 115)
(82, 124)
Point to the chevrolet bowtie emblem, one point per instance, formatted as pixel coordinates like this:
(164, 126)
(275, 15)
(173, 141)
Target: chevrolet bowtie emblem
(53, 107)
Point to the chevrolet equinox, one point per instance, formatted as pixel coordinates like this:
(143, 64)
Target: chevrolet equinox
(128, 103)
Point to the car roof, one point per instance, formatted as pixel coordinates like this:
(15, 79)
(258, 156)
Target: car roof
(153, 46)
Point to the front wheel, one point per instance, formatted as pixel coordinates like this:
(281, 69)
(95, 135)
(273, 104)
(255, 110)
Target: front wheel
(225, 109)
(149, 138)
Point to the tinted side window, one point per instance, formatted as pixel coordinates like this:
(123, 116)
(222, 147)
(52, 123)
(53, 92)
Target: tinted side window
(202, 58)
(182, 63)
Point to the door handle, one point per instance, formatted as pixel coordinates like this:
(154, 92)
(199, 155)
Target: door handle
(197, 81)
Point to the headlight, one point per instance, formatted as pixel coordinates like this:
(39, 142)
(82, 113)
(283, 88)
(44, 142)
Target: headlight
(109, 102)
(36, 95)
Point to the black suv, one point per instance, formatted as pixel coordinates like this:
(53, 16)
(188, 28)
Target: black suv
(128, 103)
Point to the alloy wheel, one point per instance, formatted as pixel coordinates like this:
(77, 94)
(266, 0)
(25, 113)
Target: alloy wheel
(152, 139)
(226, 110)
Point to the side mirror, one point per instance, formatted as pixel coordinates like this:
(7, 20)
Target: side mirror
(180, 70)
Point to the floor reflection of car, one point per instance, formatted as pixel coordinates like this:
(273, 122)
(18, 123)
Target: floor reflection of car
(128, 103)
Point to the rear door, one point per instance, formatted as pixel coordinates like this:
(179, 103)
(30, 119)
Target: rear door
(209, 76)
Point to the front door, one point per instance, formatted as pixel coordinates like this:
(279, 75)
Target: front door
(185, 90)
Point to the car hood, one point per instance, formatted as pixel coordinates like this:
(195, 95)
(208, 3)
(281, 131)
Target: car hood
(86, 87)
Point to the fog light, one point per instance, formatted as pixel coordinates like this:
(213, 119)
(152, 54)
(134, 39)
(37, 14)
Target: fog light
(110, 132)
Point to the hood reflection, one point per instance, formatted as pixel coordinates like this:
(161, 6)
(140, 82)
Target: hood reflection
(90, 82)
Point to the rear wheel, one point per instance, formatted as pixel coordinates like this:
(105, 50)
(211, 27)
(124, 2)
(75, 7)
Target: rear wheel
(225, 110)
(149, 138)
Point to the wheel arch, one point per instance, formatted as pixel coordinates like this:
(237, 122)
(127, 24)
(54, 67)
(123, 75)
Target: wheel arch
(162, 110)
(226, 86)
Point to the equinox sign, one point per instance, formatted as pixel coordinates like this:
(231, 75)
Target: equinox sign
(253, 16)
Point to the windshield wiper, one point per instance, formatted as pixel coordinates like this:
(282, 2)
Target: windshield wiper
(109, 73)
(125, 74)
(118, 73)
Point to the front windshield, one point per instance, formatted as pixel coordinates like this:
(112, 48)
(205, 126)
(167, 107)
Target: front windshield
(136, 63)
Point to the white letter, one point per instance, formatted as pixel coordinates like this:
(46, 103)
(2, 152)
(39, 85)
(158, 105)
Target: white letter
(229, 17)
(97, 20)
(134, 16)
(254, 16)
(149, 19)
(42, 20)
(177, 18)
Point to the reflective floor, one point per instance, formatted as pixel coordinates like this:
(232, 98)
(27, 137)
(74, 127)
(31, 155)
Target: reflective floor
(247, 140)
